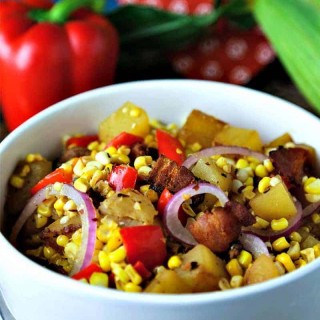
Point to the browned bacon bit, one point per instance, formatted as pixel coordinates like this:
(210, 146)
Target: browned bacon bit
(74, 152)
(218, 229)
(141, 149)
(290, 163)
(168, 174)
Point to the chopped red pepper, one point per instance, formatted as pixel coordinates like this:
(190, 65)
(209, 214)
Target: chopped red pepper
(144, 243)
(142, 270)
(124, 139)
(164, 198)
(122, 177)
(82, 141)
(59, 175)
(87, 272)
(170, 146)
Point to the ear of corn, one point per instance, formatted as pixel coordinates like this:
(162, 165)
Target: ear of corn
(293, 28)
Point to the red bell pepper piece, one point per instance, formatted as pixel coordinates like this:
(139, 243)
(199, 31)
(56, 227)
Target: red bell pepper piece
(38, 3)
(164, 198)
(144, 243)
(170, 146)
(87, 272)
(46, 57)
(82, 141)
(142, 270)
(124, 139)
(58, 175)
(122, 177)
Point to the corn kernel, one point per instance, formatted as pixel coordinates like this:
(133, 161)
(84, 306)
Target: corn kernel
(268, 165)
(77, 237)
(300, 263)
(16, 181)
(97, 176)
(131, 287)
(174, 262)
(261, 223)
(70, 205)
(295, 236)
(99, 279)
(25, 170)
(81, 185)
(312, 185)
(103, 158)
(71, 250)
(274, 181)
(316, 249)
(280, 244)
(195, 147)
(308, 254)
(32, 157)
(119, 273)
(279, 224)
(120, 158)
(312, 197)
(264, 184)
(144, 171)
(142, 161)
(285, 259)
(241, 164)
(280, 267)
(236, 281)
(294, 250)
(103, 233)
(62, 240)
(234, 268)
(133, 274)
(40, 220)
(248, 192)
(115, 241)
(261, 171)
(118, 255)
(315, 218)
(78, 168)
(44, 210)
(104, 261)
(48, 252)
(224, 284)
(221, 161)
(245, 258)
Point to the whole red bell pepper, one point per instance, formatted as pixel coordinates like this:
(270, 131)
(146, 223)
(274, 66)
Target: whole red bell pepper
(49, 55)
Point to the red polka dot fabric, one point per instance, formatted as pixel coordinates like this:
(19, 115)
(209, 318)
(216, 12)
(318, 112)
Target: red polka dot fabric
(227, 54)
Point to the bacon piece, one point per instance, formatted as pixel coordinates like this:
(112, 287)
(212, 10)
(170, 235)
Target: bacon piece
(219, 228)
(168, 174)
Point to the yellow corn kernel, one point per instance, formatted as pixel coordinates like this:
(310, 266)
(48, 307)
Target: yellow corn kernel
(308, 254)
(81, 185)
(98, 245)
(48, 252)
(62, 240)
(70, 205)
(71, 250)
(44, 210)
(40, 220)
(280, 244)
(103, 158)
(16, 181)
(32, 157)
(34, 252)
(236, 281)
(242, 175)
(25, 170)
(249, 182)
(241, 164)
(261, 171)
(234, 268)
(316, 249)
(285, 259)
(312, 186)
(142, 161)
(195, 147)
(77, 237)
(131, 287)
(97, 176)
(115, 241)
(78, 168)
(315, 218)
(294, 250)
(59, 203)
(104, 261)
(174, 262)
(224, 284)
(133, 274)
(103, 233)
(245, 258)
(261, 223)
(120, 158)
(312, 197)
(300, 263)
(295, 236)
(280, 267)
(119, 273)
(118, 255)
(268, 165)
(144, 171)
(248, 192)
(94, 145)
(264, 184)
(221, 161)
(111, 151)
(279, 224)
(99, 279)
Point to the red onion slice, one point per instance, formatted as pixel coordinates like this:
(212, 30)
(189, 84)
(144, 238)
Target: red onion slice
(310, 209)
(294, 224)
(253, 244)
(220, 150)
(171, 220)
(87, 215)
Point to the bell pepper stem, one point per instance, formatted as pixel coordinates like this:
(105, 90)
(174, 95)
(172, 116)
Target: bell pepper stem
(62, 10)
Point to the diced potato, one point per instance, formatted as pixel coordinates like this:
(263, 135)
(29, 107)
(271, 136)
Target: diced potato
(129, 118)
(274, 204)
(129, 206)
(234, 136)
(201, 269)
(200, 127)
(168, 281)
(206, 169)
(280, 141)
(262, 269)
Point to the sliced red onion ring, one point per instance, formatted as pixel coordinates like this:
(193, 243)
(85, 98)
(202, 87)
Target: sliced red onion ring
(294, 224)
(253, 244)
(171, 220)
(87, 215)
(310, 209)
(192, 159)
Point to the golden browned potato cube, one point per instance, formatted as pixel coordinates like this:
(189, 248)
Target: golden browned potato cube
(200, 127)
(280, 141)
(129, 118)
(201, 269)
(274, 204)
(206, 169)
(262, 269)
(167, 281)
(234, 136)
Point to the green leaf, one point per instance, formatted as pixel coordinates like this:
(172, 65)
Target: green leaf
(293, 28)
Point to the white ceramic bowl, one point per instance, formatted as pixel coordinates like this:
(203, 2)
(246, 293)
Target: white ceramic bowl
(35, 293)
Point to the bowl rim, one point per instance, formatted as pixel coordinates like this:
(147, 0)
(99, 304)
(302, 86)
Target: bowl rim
(65, 283)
